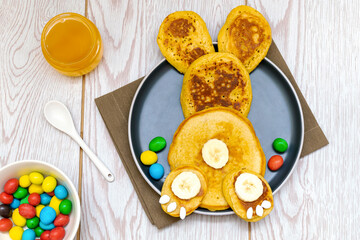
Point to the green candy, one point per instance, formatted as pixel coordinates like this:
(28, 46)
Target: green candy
(280, 145)
(25, 200)
(20, 193)
(38, 231)
(157, 144)
(32, 222)
(65, 207)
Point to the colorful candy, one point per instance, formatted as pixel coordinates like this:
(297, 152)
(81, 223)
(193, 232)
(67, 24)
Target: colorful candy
(20, 193)
(61, 192)
(157, 144)
(28, 234)
(5, 225)
(6, 198)
(34, 199)
(15, 203)
(57, 233)
(11, 186)
(32, 222)
(18, 219)
(24, 181)
(37, 203)
(47, 215)
(275, 162)
(61, 220)
(280, 145)
(36, 188)
(16, 233)
(156, 171)
(5, 211)
(148, 157)
(49, 184)
(27, 210)
(36, 178)
(45, 198)
(65, 207)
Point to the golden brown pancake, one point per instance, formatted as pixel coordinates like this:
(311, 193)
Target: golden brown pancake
(183, 37)
(240, 207)
(247, 34)
(191, 204)
(216, 79)
(224, 124)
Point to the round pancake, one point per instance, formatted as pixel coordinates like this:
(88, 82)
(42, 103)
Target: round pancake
(216, 79)
(240, 207)
(247, 34)
(183, 37)
(224, 124)
(191, 204)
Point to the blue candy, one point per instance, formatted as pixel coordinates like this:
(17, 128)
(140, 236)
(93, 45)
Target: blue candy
(61, 192)
(47, 215)
(156, 171)
(28, 234)
(15, 203)
(45, 199)
(50, 226)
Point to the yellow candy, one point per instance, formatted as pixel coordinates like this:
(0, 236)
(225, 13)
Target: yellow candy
(49, 184)
(36, 178)
(18, 219)
(148, 157)
(54, 203)
(38, 209)
(24, 181)
(16, 233)
(34, 188)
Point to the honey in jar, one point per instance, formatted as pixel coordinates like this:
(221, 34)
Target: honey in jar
(71, 44)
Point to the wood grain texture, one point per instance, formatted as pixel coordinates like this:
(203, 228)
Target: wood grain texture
(319, 41)
(28, 82)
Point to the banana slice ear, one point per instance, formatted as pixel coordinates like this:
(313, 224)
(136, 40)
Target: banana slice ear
(190, 184)
(241, 187)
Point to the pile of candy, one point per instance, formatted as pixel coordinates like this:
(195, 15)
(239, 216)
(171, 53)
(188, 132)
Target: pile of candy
(150, 157)
(37, 203)
(275, 162)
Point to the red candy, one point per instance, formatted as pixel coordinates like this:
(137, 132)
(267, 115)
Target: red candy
(34, 199)
(6, 198)
(61, 220)
(275, 162)
(11, 186)
(51, 194)
(45, 235)
(57, 233)
(27, 211)
(5, 225)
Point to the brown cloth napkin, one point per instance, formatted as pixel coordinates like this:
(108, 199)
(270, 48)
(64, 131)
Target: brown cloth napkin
(114, 108)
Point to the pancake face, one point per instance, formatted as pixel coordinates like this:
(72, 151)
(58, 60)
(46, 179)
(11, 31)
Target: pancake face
(189, 204)
(247, 34)
(241, 207)
(216, 79)
(183, 37)
(228, 126)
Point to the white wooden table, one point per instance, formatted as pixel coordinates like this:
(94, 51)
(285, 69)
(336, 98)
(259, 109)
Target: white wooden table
(318, 39)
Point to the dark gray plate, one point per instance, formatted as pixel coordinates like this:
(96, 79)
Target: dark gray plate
(275, 112)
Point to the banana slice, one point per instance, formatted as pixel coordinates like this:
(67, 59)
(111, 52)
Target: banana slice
(248, 187)
(215, 153)
(186, 185)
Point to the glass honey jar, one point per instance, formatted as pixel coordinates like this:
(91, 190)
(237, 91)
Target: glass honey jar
(71, 44)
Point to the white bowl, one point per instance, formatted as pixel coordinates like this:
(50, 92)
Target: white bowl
(17, 169)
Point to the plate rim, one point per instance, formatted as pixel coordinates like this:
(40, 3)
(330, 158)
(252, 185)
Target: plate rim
(216, 213)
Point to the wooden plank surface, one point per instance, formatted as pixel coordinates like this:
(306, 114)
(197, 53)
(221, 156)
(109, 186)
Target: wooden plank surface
(318, 39)
(27, 82)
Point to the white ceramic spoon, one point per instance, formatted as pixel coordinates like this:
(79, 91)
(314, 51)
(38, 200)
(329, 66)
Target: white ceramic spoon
(57, 114)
